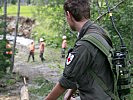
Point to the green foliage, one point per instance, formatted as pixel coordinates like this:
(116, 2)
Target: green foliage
(25, 11)
(4, 58)
(52, 20)
(47, 2)
(123, 18)
(13, 2)
(39, 80)
(132, 93)
(28, 2)
(10, 82)
(52, 25)
(1, 74)
(43, 88)
(0, 10)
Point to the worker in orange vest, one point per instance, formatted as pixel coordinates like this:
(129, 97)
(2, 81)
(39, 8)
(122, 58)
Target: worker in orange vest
(64, 46)
(41, 49)
(8, 52)
(8, 47)
(32, 49)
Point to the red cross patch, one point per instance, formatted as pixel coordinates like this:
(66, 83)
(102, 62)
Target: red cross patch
(69, 58)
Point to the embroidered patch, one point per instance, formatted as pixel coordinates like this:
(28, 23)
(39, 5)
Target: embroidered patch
(69, 58)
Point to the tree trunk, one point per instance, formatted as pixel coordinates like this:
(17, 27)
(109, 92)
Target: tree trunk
(15, 37)
(28, 2)
(0, 3)
(5, 16)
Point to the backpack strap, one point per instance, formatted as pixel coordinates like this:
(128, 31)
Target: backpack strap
(99, 42)
(103, 46)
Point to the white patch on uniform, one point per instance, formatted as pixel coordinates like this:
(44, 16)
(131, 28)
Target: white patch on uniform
(69, 59)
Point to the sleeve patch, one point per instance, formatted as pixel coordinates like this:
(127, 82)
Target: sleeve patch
(69, 59)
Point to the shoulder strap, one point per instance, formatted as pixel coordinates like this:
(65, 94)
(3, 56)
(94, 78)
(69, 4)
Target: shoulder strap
(99, 42)
(102, 44)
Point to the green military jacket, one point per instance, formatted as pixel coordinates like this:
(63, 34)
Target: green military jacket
(80, 59)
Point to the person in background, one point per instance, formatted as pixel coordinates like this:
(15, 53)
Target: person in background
(41, 49)
(64, 46)
(84, 58)
(9, 48)
(31, 53)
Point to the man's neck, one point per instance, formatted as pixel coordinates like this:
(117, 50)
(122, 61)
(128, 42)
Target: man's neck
(80, 24)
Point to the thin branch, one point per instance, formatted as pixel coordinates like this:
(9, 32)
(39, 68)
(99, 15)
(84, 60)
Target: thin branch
(99, 10)
(110, 10)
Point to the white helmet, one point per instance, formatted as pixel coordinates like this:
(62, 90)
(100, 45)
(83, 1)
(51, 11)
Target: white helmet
(64, 37)
(41, 39)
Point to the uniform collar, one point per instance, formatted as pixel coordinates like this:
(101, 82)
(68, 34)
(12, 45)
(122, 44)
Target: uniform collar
(84, 29)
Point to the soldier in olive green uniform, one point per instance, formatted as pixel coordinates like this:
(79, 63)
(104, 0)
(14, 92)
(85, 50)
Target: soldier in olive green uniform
(83, 57)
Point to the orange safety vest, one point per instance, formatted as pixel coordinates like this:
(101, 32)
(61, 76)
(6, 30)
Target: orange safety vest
(8, 52)
(64, 44)
(41, 47)
(32, 47)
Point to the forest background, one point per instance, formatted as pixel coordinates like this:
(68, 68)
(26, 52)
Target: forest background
(51, 23)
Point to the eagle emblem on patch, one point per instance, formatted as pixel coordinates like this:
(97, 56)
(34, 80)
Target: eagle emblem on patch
(69, 59)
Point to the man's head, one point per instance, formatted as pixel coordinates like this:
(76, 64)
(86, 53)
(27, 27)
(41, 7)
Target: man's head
(77, 10)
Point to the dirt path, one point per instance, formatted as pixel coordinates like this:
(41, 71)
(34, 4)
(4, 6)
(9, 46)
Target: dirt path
(9, 98)
(49, 69)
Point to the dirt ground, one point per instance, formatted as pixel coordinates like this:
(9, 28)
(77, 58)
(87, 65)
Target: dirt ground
(9, 98)
(49, 69)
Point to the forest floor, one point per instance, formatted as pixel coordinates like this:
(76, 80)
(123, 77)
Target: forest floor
(49, 69)
(37, 73)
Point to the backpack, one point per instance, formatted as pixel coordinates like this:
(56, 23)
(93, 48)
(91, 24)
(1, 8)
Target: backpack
(118, 66)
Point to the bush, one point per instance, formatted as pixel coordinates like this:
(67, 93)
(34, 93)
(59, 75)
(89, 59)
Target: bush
(4, 58)
(13, 2)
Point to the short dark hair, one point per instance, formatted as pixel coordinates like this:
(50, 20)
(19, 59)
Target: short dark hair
(80, 9)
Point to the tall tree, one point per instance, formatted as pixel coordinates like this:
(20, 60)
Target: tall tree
(13, 1)
(15, 37)
(0, 3)
(28, 2)
(5, 17)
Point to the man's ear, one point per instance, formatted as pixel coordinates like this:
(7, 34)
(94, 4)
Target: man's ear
(69, 15)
